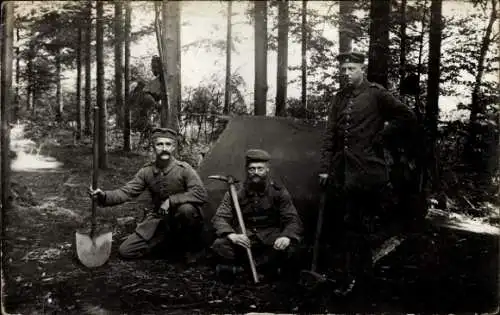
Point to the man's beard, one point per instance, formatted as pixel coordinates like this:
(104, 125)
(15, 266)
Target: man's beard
(257, 182)
(163, 156)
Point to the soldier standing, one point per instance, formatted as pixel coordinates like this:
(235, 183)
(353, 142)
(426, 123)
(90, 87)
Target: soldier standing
(177, 194)
(354, 166)
(274, 228)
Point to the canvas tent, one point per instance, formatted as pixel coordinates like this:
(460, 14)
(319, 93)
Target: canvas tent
(295, 149)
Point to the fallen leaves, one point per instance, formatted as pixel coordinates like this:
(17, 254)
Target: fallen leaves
(42, 255)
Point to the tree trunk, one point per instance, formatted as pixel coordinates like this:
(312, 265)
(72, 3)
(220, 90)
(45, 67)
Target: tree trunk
(173, 62)
(87, 57)
(282, 76)
(378, 52)
(432, 103)
(471, 154)
(79, 85)
(402, 47)
(29, 85)
(476, 104)
(126, 108)
(260, 85)
(178, 74)
(34, 98)
(18, 58)
(6, 97)
(118, 63)
(345, 32)
(59, 103)
(418, 106)
(161, 9)
(227, 88)
(304, 54)
(100, 102)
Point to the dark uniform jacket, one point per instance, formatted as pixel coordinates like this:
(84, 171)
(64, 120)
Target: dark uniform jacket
(179, 182)
(267, 215)
(352, 151)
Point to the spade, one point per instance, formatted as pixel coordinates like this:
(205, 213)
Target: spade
(92, 247)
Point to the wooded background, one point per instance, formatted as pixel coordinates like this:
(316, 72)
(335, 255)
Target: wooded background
(403, 40)
(425, 52)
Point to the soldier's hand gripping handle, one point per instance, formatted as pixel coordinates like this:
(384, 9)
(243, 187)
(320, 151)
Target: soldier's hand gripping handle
(323, 179)
(97, 194)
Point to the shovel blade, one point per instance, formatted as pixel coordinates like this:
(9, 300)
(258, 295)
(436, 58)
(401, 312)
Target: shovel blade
(93, 251)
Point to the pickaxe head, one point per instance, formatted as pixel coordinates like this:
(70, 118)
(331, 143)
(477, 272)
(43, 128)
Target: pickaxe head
(228, 179)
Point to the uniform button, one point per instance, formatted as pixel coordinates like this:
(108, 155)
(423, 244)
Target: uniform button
(345, 147)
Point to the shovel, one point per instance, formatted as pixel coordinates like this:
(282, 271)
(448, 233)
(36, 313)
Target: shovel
(310, 278)
(93, 248)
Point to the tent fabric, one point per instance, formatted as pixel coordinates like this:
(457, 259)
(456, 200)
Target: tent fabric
(294, 146)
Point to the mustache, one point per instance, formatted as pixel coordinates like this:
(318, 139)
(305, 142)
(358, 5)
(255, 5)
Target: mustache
(255, 176)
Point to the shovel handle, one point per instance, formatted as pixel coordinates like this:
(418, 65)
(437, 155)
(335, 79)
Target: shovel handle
(319, 227)
(232, 191)
(95, 166)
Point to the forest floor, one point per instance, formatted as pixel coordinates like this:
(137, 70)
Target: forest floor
(440, 271)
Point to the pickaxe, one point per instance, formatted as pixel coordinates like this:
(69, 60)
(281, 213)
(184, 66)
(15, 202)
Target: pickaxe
(232, 191)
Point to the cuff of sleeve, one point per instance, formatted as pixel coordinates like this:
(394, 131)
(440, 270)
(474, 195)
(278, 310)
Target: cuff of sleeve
(101, 200)
(174, 200)
(225, 232)
(293, 238)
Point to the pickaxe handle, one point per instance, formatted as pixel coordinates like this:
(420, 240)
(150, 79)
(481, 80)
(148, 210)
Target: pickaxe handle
(232, 191)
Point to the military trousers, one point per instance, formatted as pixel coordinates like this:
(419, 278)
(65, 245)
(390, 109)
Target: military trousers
(179, 231)
(267, 259)
(357, 219)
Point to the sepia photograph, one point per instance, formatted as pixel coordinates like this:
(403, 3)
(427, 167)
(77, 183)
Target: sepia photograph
(250, 157)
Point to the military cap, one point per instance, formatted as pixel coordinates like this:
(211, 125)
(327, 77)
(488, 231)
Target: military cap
(257, 155)
(163, 133)
(355, 57)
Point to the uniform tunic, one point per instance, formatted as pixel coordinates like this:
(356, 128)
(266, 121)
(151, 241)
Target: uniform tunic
(178, 182)
(268, 215)
(352, 146)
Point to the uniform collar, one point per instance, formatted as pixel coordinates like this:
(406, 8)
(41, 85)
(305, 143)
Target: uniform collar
(364, 84)
(167, 169)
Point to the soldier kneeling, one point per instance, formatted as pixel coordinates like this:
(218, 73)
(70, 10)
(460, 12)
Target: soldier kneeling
(177, 196)
(273, 225)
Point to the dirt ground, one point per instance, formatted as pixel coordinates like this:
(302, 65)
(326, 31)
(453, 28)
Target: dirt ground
(441, 270)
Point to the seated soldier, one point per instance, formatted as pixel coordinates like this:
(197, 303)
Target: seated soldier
(273, 226)
(177, 194)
